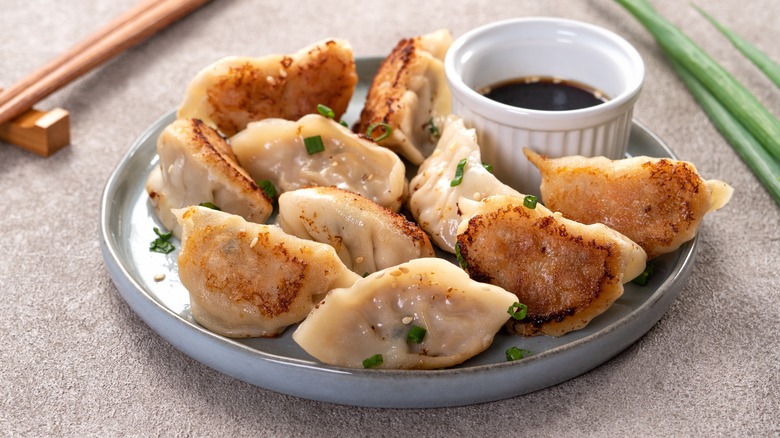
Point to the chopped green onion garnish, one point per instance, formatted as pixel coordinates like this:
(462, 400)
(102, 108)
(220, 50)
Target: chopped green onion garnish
(433, 129)
(373, 361)
(267, 187)
(344, 124)
(209, 205)
(416, 334)
(161, 243)
(458, 173)
(459, 256)
(325, 111)
(365, 274)
(530, 201)
(314, 144)
(387, 131)
(518, 311)
(488, 167)
(514, 353)
(644, 277)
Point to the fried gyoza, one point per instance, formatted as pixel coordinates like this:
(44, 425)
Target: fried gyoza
(457, 318)
(366, 236)
(566, 273)
(248, 280)
(410, 93)
(433, 200)
(198, 166)
(276, 150)
(657, 202)
(234, 91)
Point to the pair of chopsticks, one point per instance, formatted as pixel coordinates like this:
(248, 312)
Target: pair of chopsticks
(125, 31)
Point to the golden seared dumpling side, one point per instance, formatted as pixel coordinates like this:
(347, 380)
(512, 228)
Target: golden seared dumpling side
(198, 166)
(252, 280)
(566, 273)
(459, 316)
(237, 90)
(366, 236)
(657, 202)
(410, 93)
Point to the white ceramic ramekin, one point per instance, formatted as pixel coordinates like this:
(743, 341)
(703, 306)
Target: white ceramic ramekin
(541, 46)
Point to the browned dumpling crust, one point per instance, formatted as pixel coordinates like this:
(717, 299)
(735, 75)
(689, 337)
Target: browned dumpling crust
(252, 280)
(565, 272)
(237, 90)
(410, 94)
(657, 202)
(198, 166)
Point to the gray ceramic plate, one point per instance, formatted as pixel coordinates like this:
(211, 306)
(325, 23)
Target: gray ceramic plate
(126, 224)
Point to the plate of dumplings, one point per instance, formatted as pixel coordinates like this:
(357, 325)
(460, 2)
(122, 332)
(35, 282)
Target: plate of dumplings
(322, 226)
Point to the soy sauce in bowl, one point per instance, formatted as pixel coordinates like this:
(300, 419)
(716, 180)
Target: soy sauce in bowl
(544, 94)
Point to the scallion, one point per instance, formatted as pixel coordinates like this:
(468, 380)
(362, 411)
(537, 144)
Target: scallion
(643, 278)
(733, 95)
(517, 311)
(488, 167)
(326, 111)
(461, 261)
(530, 201)
(433, 130)
(514, 353)
(387, 131)
(314, 144)
(161, 244)
(416, 334)
(757, 57)
(373, 361)
(267, 187)
(763, 165)
(209, 205)
(458, 173)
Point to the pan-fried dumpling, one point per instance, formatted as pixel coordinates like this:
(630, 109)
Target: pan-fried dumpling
(249, 280)
(234, 91)
(410, 94)
(657, 202)
(197, 166)
(276, 150)
(459, 317)
(566, 273)
(367, 237)
(434, 198)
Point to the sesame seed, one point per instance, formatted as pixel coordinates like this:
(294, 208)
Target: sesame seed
(254, 242)
(359, 260)
(159, 277)
(407, 319)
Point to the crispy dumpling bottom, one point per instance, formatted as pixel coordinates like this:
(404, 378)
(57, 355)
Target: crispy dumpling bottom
(565, 272)
(252, 280)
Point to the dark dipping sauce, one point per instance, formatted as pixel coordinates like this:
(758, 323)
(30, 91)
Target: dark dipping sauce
(545, 94)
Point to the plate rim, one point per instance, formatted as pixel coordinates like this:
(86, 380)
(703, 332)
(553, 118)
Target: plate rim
(323, 382)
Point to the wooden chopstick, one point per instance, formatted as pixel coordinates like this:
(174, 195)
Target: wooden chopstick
(124, 32)
(83, 45)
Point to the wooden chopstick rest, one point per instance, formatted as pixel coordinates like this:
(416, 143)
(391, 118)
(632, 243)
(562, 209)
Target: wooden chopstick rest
(40, 132)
